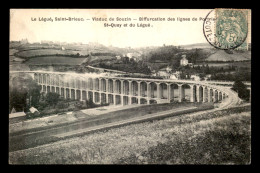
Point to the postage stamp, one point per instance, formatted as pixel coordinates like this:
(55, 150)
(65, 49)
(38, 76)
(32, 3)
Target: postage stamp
(228, 30)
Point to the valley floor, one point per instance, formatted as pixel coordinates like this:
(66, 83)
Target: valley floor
(222, 137)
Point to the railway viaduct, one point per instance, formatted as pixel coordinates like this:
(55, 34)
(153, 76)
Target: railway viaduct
(125, 91)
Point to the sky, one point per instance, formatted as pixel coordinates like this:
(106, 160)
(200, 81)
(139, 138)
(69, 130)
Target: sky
(161, 32)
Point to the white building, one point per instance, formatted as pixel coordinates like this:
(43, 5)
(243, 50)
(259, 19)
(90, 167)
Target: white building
(184, 61)
(195, 77)
(163, 72)
(118, 57)
(173, 76)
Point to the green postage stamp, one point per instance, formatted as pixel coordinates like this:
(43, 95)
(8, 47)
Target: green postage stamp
(231, 28)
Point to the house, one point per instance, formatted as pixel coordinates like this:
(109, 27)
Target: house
(163, 72)
(173, 76)
(34, 111)
(177, 74)
(184, 61)
(134, 55)
(195, 77)
(153, 72)
(118, 57)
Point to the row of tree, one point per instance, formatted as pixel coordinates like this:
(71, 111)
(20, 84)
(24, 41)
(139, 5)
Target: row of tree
(128, 65)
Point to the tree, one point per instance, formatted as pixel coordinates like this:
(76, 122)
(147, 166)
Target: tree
(52, 98)
(23, 87)
(241, 89)
(34, 94)
(17, 99)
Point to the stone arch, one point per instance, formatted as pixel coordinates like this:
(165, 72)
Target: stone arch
(44, 79)
(48, 79)
(62, 92)
(53, 89)
(73, 95)
(78, 95)
(220, 96)
(103, 85)
(216, 96)
(90, 96)
(57, 80)
(205, 94)
(72, 83)
(110, 98)
(68, 93)
(118, 86)
(125, 87)
(58, 90)
(62, 83)
(84, 84)
(163, 91)
(118, 100)
(96, 97)
(96, 84)
(134, 100)
(143, 101)
(143, 89)
(78, 83)
(53, 77)
(44, 89)
(200, 93)
(153, 89)
(186, 92)
(125, 100)
(39, 78)
(103, 98)
(48, 89)
(152, 101)
(134, 88)
(110, 86)
(90, 84)
(210, 95)
(84, 95)
(174, 92)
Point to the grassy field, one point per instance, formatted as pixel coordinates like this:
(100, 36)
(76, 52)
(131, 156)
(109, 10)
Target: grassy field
(40, 52)
(221, 55)
(222, 137)
(55, 60)
(246, 64)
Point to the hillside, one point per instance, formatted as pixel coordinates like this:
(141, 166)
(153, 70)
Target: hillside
(221, 55)
(197, 46)
(51, 60)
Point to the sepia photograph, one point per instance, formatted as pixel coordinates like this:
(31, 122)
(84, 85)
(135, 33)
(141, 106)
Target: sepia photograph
(129, 86)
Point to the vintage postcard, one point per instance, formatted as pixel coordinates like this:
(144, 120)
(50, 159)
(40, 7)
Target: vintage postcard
(130, 86)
